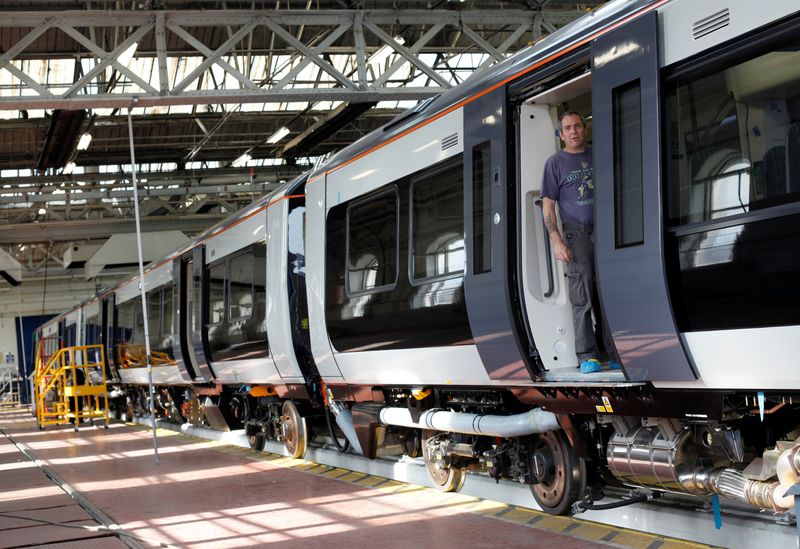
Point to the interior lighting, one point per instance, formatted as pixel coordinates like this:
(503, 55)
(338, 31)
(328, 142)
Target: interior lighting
(68, 169)
(282, 132)
(126, 56)
(383, 52)
(242, 160)
(83, 144)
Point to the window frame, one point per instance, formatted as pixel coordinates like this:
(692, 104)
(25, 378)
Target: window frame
(393, 190)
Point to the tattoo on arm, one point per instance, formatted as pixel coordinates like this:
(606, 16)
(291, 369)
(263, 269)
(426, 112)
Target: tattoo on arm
(550, 223)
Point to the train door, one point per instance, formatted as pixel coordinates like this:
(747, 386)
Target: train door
(107, 336)
(190, 321)
(543, 278)
(629, 224)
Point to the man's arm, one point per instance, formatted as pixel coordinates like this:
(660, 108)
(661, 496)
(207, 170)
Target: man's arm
(551, 223)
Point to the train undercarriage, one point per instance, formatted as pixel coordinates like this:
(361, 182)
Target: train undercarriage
(566, 459)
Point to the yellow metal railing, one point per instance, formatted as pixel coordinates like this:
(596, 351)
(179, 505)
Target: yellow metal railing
(66, 390)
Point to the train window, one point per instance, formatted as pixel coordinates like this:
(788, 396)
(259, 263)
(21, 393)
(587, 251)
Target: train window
(240, 287)
(628, 207)
(259, 314)
(437, 223)
(372, 244)
(153, 314)
(735, 139)
(481, 209)
(166, 312)
(216, 294)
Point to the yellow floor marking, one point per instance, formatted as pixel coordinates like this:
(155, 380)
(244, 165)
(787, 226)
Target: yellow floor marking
(370, 481)
(487, 507)
(520, 514)
(307, 467)
(335, 472)
(592, 531)
(352, 477)
(677, 544)
(405, 488)
(390, 485)
(636, 541)
(553, 523)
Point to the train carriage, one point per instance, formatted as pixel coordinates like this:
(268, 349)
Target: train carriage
(443, 298)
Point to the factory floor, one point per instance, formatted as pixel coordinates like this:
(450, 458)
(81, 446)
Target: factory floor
(103, 488)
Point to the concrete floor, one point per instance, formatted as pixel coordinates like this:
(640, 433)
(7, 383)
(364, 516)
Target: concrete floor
(206, 494)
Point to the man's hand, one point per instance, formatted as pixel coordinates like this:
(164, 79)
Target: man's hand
(562, 251)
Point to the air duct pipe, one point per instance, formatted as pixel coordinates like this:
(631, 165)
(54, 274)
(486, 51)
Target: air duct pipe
(534, 421)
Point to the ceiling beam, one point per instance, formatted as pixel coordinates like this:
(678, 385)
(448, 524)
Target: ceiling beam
(68, 231)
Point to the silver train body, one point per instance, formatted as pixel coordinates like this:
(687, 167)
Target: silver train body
(409, 290)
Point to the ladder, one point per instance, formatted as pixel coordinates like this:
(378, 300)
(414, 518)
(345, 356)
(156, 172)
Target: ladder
(70, 386)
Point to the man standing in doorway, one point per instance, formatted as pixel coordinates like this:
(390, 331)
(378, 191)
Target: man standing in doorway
(568, 182)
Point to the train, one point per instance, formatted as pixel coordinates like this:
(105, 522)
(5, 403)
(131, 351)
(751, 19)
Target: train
(404, 294)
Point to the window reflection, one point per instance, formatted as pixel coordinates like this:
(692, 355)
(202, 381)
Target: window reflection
(736, 139)
(437, 231)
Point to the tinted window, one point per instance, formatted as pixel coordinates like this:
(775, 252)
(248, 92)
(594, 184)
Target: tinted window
(437, 223)
(166, 312)
(372, 243)
(481, 209)
(240, 296)
(734, 257)
(216, 294)
(628, 209)
(735, 139)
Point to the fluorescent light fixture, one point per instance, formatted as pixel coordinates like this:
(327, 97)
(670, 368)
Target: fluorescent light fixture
(68, 169)
(242, 160)
(83, 144)
(42, 211)
(282, 132)
(383, 52)
(126, 56)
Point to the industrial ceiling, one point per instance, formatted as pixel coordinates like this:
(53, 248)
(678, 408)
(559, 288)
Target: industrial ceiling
(223, 100)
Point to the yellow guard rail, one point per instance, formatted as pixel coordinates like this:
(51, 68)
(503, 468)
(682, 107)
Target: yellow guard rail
(68, 387)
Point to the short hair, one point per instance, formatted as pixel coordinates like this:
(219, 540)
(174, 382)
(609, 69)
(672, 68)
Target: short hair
(570, 113)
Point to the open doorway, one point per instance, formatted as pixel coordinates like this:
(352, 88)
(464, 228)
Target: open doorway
(544, 286)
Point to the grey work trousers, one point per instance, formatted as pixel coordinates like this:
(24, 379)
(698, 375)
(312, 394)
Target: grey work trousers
(581, 286)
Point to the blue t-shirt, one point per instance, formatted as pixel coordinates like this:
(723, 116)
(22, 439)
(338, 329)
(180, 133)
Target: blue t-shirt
(568, 181)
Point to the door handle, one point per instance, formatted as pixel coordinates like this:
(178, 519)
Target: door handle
(551, 286)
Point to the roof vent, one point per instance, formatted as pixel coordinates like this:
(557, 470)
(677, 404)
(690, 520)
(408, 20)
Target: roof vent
(712, 23)
(449, 141)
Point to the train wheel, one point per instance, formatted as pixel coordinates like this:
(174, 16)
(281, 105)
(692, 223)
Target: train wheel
(293, 427)
(256, 441)
(559, 474)
(444, 477)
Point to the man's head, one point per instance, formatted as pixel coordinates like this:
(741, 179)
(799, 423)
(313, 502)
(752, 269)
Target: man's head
(572, 129)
